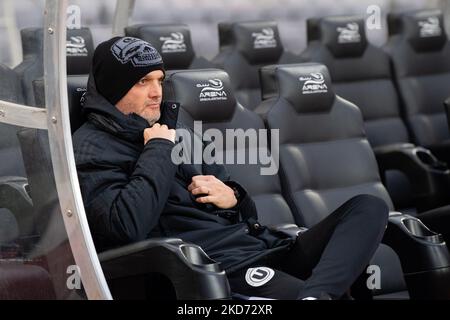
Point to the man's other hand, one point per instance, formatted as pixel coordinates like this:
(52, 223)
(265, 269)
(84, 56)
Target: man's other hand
(213, 191)
(159, 131)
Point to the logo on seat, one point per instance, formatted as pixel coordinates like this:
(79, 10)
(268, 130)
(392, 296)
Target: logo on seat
(76, 47)
(430, 27)
(258, 276)
(314, 83)
(139, 52)
(264, 39)
(211, 91)
(349, 33)
(173, 43)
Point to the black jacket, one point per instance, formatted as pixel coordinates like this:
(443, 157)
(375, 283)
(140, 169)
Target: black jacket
(132, 192)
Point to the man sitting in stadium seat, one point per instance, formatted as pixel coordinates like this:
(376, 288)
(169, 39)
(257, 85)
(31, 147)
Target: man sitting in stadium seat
(132, 190)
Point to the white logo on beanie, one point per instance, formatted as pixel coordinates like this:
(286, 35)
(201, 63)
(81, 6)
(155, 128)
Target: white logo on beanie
(258, 276)
(139, 52)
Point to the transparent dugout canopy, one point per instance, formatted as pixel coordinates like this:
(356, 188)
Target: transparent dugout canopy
(46, 249)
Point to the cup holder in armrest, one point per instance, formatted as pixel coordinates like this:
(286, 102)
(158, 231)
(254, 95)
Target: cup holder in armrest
(423, 254)
(409, 237)
(429, 178)
(427, 158)
(419, 230)
(199, 258)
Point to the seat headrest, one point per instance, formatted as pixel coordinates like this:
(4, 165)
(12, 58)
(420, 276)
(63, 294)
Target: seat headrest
(258, 41)
(10, 85)
(173, 42)
(79, 48)
(307, 86)
(206, 94)
(32, 42)
(423, 29)
(79, 51)
(344, 36)
(76, 88)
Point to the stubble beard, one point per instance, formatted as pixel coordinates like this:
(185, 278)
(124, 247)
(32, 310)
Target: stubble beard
(152, 116)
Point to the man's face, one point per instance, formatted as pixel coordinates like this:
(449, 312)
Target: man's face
(144, 98)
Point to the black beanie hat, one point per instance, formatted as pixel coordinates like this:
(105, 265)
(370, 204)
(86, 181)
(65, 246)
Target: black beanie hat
(121, 62)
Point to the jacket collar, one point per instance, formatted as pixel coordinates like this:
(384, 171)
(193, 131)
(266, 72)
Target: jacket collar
(107, 117)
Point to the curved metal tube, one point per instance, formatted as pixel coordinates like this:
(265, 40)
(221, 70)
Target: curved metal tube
(23, 116)
(61, 150)
(124, 9)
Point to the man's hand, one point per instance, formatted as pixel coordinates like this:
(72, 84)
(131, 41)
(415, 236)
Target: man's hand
(214, 191)
(159, 131)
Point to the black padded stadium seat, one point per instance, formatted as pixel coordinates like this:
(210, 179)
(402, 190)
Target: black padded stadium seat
(244, 48)
(15, 217)
(325, 158)
(420, 53)
(17, 226)
(173, 42)
(51, 248)
(361, 73)
(76, 87)
(32, 66)
(79, 51)
(222, 114)
(11, 91)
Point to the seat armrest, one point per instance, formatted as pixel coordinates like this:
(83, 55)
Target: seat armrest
(409, 237)
(14, 197)
(429, 177)
(193, 274)
(423, 254)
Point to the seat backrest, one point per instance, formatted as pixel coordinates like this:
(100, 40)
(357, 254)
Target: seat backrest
(10, 86)
(79, 51)
(32, 65)
(11, 91)
(11, 162)
(360, 72)
(174, 43)
(420, 54)
(244, 48)
(221, 112)
(221, 116)
(76, 88)
(325, 158)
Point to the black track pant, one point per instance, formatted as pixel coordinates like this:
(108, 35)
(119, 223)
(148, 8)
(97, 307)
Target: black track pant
(327, 258)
